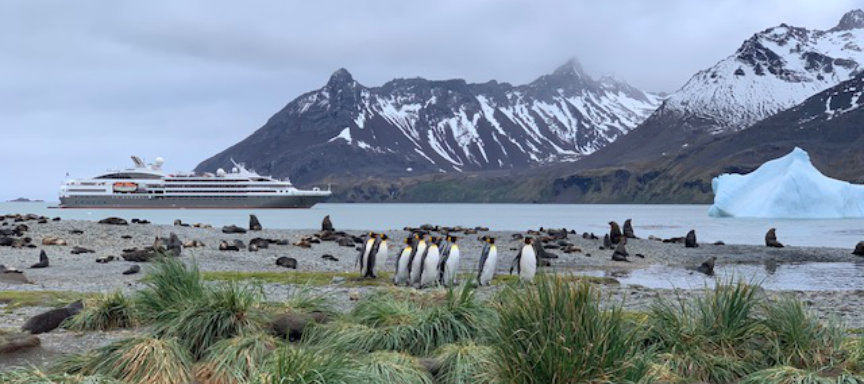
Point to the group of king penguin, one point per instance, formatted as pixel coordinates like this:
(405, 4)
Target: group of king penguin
(427, 262)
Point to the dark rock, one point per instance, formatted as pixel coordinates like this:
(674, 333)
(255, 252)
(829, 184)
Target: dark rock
(113, 221)
(690, 239)
(55, 219)
(127, 237)
(132, 270)
(254, 224)
(50, 320)
(719, 243)
(231, 229)
(287, 262)
(326, 224)
(43, 261)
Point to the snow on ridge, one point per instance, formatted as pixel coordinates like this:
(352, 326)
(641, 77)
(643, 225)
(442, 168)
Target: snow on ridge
(344, 135)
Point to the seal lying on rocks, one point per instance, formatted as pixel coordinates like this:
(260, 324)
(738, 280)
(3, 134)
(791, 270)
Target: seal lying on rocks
(50, 240)
(76, 250)
(859, 249)
(50, 320)
(771, 239)
(105, 259)
(231, 229)
(690, 239)
(287, 262)
(113, 221)
(43, 260)
(225, 246)
(132, 270)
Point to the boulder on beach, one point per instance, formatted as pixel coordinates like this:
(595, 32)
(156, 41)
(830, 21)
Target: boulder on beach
(113, 221)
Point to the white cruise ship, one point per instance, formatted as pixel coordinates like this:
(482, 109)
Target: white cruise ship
(147, 186)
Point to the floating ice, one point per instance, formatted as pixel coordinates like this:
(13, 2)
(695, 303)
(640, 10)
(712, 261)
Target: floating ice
(788, 187)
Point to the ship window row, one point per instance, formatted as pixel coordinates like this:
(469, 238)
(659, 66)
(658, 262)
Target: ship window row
(129, 175)
(86, 190)
(235, 186)
(212, 191)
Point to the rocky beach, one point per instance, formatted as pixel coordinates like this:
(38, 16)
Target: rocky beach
(74, 270)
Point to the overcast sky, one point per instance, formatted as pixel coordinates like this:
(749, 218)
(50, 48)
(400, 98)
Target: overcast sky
(85, 84)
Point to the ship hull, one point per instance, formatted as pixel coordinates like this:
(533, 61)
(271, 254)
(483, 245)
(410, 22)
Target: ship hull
(180, 202)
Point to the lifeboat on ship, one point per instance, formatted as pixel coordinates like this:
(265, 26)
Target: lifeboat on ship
(125, 187)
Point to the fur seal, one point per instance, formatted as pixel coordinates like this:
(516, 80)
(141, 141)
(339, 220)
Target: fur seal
(771, 239)
(105, 260)
(132, 270)
(43, 260)
(329, 257)
(690, 239)
(607, 243)
(291, 325)
(326, 224)
(614, 232)
(76, 250)
(175, 246)
(50, 320)
(707, 267)
(254, 224)
(232, 229)
(53, 241)
(113, 221)
(628, 229)
(225, 246)
(859, 249)
(287, 262)
(620, 253)
(17, 342)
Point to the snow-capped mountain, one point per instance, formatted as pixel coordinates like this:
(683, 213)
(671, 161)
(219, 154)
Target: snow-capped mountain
(773, 70)
(411, 126)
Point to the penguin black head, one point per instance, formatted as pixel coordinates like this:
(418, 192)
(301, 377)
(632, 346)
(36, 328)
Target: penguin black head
(452, 239)
(409, 239)
(528, 240)
(490, 240)
(433, 239)
(383, 236)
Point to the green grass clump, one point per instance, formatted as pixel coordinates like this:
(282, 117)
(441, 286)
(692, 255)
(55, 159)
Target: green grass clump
(18, 299)
(392, 320)
(715, 338)
(104, 312)
(170, 285)
(393, 367)
(792, 375)
(222, 312)
(800, 339)
(296, 365)
(556, 331)
(142, 360)
(235, 360)
(465, 363)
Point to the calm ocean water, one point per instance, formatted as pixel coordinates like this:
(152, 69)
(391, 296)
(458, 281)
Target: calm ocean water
(657, 220)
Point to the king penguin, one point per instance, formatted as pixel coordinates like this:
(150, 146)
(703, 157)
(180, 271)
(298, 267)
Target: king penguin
(449, 262)
(400, 277)
(430, 260)
(525, 262)
(363, 256)
(378, 252)
(488, 261)
(416, 260)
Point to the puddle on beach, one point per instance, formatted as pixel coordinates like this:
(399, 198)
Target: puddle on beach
(778, 277)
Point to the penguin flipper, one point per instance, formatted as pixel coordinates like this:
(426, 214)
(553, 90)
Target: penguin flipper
(515, 263)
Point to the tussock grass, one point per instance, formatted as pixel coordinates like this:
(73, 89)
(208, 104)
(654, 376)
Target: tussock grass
(18, 299)
(556, 331)
(800, 339)
(296, 365)
(792, 375)
(170, 285)
(143, 360)
(393, 367)
(104, 312)
(235, 360)
(416, 324)
(466, 363)
(220, 313)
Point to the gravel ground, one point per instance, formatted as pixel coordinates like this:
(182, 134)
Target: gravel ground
(81, 273)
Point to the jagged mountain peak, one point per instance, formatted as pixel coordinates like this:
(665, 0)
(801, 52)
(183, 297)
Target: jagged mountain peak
(853, 19)
(341, 76)
(572, 67)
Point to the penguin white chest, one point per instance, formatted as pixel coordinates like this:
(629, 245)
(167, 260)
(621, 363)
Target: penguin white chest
(528, 264)
(452, 265)
(488, 269)
(430, 266)
(364, 261)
